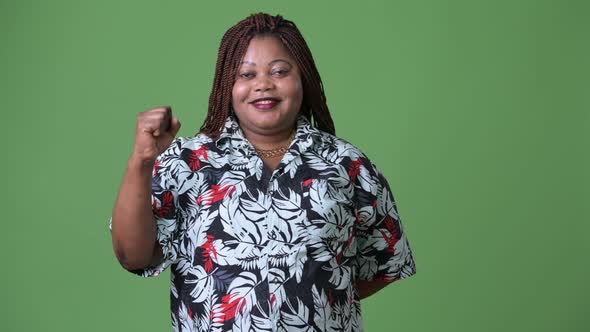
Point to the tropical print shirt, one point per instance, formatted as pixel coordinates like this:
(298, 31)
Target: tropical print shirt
(257, 250)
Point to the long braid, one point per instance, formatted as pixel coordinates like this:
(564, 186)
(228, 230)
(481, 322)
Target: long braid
(231, 50)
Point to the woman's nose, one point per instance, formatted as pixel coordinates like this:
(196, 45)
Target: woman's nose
(263, 83)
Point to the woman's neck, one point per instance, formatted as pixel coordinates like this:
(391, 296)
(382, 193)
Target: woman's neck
(268, 141)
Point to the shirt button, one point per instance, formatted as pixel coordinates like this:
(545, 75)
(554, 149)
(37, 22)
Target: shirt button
(273, 235)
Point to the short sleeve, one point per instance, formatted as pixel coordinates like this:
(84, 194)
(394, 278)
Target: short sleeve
(165, 209)
(383, 250)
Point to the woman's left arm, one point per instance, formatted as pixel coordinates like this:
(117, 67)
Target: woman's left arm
(368, 288)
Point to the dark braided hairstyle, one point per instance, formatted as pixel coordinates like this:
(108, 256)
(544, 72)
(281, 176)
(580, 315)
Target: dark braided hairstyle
(233, 46)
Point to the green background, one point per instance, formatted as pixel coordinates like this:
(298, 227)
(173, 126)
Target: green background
(476, 111)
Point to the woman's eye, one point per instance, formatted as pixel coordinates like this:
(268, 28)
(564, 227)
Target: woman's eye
(280, 72)
(247, 75)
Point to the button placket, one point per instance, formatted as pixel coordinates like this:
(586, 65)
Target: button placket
(269, 220)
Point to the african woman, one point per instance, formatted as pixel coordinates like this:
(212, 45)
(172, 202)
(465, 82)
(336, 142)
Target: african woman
(267, 220)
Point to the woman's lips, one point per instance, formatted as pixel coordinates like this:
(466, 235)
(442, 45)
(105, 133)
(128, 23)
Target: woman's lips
(265, 104)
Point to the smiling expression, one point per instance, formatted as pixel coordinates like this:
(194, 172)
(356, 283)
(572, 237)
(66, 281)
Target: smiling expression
(268, 92)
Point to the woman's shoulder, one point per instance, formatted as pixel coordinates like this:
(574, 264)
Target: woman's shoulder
(183, 146)
(339, 147)
(190, 142)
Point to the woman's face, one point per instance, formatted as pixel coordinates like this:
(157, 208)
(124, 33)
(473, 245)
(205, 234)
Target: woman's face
(267, 93)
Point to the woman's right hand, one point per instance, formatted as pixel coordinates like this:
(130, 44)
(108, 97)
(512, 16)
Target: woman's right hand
(154, 132)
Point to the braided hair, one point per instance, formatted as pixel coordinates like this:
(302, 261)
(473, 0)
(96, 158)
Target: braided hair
(233, 46)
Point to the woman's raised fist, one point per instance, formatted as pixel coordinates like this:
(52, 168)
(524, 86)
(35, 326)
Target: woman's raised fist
(154, 132)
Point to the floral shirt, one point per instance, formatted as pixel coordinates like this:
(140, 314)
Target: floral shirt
(257, 250)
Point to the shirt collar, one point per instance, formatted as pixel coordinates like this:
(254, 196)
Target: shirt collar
(232, 137)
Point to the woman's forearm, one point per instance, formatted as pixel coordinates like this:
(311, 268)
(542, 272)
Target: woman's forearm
(368, 288)
(133, 224)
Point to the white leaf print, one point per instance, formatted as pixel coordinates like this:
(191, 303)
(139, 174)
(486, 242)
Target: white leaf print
(173, 290)
(198, 233)
(242, 322)
(356, 318)
(408, 269)
(289, 231)
(185, 319)
(252, 208)
(347, 318)
(261, 323)
(341, 316)
(315, 163)
(288, 206)
(232, 178)
(216, 160)
(321, 253)
(292, 167)
(185, 177)
(322, 311)
(202, 282)
(276, 280)
(344, 148)
(243, 287)
(297, 259)
(223, 255)
(204, 319)
(339, 221)
(240, 298)
(385, 205)
(342, 181)
(318, 194)
(243, 217)
(258, 167)
(165, 228)
(340, 277)
(174, 323)
(226, 219)
(366, 181)
(367, 267)
(183, 266)
(297, 320)
(277, 254)
(248, 256)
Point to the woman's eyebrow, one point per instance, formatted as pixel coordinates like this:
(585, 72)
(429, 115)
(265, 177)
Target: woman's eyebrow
(279, 60)
(270, 63)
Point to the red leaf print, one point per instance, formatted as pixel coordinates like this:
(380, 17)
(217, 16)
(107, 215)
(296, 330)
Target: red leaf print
(193, 158)
(156, 165)
(190, 312)
(216, 193)
(306, 182)
(354, 169)
(208, 249)
(393, 236)
(165, 207)
(359, 219)
(230, 304)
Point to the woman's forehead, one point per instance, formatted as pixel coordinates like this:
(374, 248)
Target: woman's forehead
(266, 49)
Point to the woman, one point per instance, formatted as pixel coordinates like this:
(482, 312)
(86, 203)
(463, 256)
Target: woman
(267, 221)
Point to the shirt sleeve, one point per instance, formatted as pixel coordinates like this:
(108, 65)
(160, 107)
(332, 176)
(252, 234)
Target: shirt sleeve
(383, 250)
(164, 199)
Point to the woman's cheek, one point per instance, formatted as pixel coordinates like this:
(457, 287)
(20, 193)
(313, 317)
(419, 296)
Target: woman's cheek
(239, 92)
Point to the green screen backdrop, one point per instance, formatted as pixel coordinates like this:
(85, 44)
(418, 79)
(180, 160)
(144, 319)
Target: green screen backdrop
(477, 112)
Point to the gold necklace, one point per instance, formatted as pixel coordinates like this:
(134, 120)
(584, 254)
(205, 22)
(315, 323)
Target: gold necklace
(276, 151)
